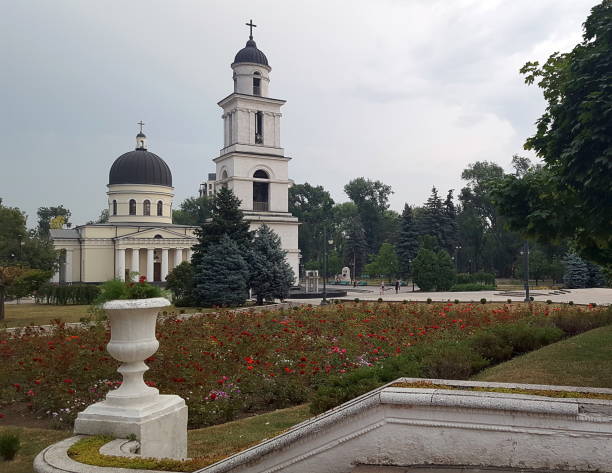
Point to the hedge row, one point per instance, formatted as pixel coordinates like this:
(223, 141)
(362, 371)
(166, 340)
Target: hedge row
(471, 286)
(82, 294)
(487, 279)
(451, 359)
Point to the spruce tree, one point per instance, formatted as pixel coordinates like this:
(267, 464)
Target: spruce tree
(576, 272)
(450, 230)
(445, 273)
(270, 275)
(596, 275)
(221, 275)
(408, 241)
(226, 219)
(432, 220)
(425, 267)
(356, 247)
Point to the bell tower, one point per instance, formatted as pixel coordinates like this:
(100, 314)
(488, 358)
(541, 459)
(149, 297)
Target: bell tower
(252, 162)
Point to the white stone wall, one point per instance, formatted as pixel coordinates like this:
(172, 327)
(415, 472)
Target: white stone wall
(123, 193)
(243, 78)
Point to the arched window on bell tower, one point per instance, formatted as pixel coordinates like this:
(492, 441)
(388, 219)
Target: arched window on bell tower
(256, 83)
(261, 191)
(259, 131)
(146, 207)
(114, 207)
(132, 207)
(160, 208)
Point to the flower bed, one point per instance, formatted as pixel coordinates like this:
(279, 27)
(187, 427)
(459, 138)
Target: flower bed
(232, 362)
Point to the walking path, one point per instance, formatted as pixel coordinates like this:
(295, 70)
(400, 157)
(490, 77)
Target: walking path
(599, 296)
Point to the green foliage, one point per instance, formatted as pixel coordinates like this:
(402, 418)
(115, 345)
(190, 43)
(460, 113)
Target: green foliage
(372, 200)
(28, 283)
(450, 359)
(9, 446)
(46, 214)
(433, 270)
(573, 323)
(73, 294)
(569, 197)
(193, 211)
(408, 242)
(180, 282)
(221, 275)
(356, 246)
(471, 286)
(576, 272)
(487, 279)
(117, 289)
(385, 263)
(270, 275)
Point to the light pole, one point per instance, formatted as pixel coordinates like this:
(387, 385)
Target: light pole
(325, 243)
(525, 254)
(457, 248)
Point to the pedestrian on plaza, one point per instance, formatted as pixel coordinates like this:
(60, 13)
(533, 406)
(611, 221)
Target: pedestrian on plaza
(382, 287)
(397, 286)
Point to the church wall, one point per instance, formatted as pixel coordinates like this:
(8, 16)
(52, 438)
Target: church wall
(123, 193)
(98, 261)
(279, 197)
(244, 78)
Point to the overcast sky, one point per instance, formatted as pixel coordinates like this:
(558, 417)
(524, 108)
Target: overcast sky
(405, 91)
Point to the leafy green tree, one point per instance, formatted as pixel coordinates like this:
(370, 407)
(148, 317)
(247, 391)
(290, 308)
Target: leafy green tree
(539, 267)
(576, 272)
(180, 282)
(9, 275)
(372, 200)
(226, 220)
(385, 263)
(221, 275)
(28, 283)
(45, 214)
(270, 275)
(569, 197)
(313, 206)
(192, 211)
(408, 241)
(445, 272)
(103, 218)
(424, 269)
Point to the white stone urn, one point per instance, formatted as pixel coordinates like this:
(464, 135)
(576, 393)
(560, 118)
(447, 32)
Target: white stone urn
(159, 421)
(132, 324)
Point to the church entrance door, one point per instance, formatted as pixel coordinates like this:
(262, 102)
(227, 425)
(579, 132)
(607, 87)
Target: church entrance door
(156, 271)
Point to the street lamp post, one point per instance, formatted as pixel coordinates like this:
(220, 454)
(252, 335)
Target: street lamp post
(325, 243)
(525, 254)
(457, 248)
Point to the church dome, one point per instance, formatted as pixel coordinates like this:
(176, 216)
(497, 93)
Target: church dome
(251, 54)
(140, 167)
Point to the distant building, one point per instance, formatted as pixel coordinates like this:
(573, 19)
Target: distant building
(139, 236)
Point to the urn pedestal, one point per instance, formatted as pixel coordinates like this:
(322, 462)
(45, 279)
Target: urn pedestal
(159, 421)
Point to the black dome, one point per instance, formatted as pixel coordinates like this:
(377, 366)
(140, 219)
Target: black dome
(140, 167)
(250, 53)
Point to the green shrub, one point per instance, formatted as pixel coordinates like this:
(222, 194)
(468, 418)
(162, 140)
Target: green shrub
(524, 337)
(573, 323)
(356, 300)
(447, 359)
(117, 289)
(491, 346)
(548, 301)
(429, 300)
(456, 301)
(509, 301)
(471, 287)
(81, 294)
(9, 446)
(483, 301)
(487, 279)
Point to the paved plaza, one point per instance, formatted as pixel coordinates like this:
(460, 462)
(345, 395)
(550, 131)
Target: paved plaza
(600, 296)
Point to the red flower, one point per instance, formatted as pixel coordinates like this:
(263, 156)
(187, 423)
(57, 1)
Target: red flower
(142, 279)
(68, 381)
(213, 396)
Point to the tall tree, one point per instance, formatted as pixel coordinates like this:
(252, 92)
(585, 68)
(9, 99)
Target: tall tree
(226, 220)
(9, 275)
(450, 229)
(385, 263)
(45, 214)
(270, 275)
(355, 247)
(221, 275)
(192, 211)
(569, 197)
(431, 221)
(371, 199)
(408, 241)
(313, 206)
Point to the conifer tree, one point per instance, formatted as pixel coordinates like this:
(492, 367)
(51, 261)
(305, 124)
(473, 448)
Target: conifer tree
(576, 272)
(221, 275)
(596, 275)
(226, 219)
(432, 221)
(270, 275)
(408, 241)
(445, 274)
(450, 230)
(356, 246)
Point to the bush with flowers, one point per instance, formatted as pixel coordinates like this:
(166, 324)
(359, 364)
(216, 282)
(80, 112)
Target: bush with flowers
(117, 289)
(230, 363)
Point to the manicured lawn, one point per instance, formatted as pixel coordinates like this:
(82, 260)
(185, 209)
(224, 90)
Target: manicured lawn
(32, 442)
(584, 360)
(207, 445)
(21, 315)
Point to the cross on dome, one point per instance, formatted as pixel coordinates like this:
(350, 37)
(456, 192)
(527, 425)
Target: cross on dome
(141, 123)
(251, 26)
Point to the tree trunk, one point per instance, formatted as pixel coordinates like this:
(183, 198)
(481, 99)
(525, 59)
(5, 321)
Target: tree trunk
(260, 300)
(1, 303)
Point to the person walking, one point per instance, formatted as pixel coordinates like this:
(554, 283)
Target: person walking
(382, 287)
(397, 286)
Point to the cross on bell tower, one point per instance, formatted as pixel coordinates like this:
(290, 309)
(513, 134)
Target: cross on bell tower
(251, 26)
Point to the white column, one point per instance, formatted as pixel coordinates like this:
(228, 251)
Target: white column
(252, 127)
(150, 254)
(277, 130)
(55, 277)
(68, 265)
(178, 256)
(120, 264)
(164, 263)
(189, 255)
(135, 266)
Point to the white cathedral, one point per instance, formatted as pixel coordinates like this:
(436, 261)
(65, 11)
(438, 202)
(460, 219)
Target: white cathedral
(140, 236)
